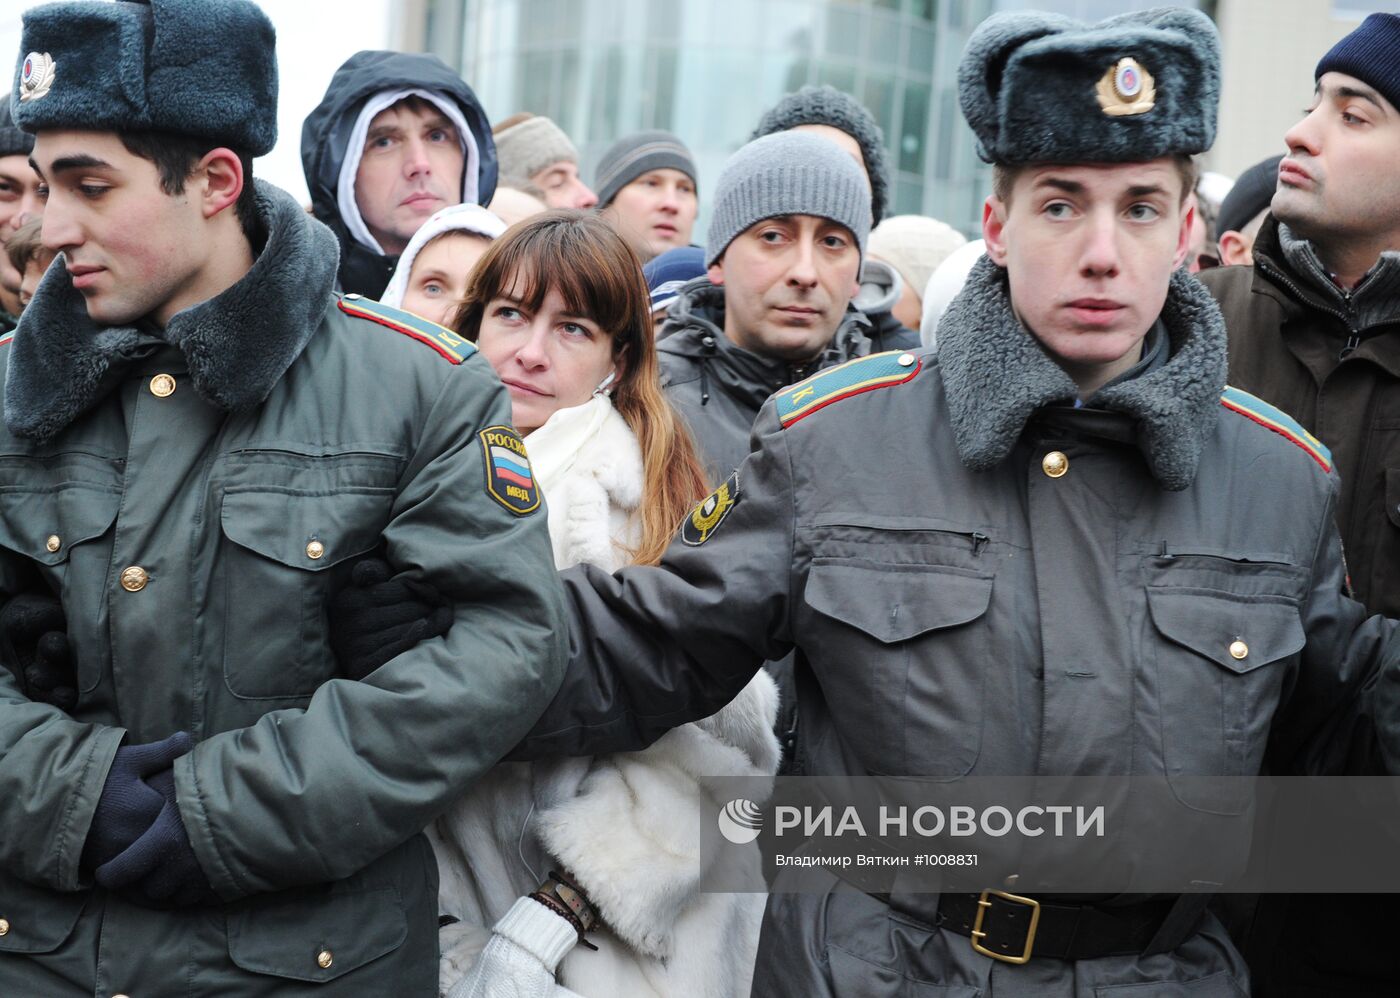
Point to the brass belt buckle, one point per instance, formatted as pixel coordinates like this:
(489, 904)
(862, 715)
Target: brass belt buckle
(978, 935)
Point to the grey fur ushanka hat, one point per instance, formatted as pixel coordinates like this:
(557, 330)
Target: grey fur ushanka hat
(1043, 88)
(205, 68)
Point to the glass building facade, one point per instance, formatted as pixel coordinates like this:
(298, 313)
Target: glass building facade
(708, 69)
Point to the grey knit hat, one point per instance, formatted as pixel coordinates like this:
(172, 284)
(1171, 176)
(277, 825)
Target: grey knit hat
(525, 148)
(13, 142)
(204, 68)
(633, 155)
(1042, 88)
(825, 105)
(787, 173)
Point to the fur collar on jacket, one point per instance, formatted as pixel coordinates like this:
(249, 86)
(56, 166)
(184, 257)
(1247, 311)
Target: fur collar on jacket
(997, 375)
(238, 344)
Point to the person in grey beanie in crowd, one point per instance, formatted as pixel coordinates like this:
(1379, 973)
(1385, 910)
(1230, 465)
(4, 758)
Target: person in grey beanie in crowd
(649, 189)
(840, 118)
(19, 203)
(1314, 328)
(532, 150)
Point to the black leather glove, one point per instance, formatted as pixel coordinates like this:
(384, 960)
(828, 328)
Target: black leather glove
(137, 845)
(378, 616)
(35, 648)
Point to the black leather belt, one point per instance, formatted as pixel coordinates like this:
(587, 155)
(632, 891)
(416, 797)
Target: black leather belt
(1013, 929)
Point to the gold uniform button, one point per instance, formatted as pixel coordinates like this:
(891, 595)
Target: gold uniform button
(162, 386)
(4, 926)
(315, 550)
(53, 543)
(906, 360)
(1055, 464)
(134, 579)
(324, 959)
(1239, 650)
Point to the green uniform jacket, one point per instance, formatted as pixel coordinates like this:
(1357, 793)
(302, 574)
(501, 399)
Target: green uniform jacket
(196, 536)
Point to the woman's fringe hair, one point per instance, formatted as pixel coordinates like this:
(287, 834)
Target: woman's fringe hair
(599, 276)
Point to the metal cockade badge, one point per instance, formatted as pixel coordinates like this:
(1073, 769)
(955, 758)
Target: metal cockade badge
(1126, 89)
(36, 78)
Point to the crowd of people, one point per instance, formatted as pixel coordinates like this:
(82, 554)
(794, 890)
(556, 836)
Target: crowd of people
(389, 586)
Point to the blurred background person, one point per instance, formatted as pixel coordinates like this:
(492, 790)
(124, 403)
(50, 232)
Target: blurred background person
(29, 257)
(667, 274)
(431, 278)
(1243, 211)
(649, 190)
(396, 137)
(558, 307)
(943, 286)
(532, 149)
(19, 202)
(913, 246)
(513, 204)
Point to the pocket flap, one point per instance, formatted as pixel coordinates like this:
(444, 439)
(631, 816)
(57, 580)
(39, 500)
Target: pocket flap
(892, 603)
(39, 920)
(317, 938)
(1236, 634)
(31, 523)
(307, 532)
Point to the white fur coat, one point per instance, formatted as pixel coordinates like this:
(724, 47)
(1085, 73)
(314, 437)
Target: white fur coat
(628, 825)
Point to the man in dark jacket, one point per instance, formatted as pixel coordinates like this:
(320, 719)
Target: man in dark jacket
(1038, 552)
(1314, 328)
(788, 229)
(396, 137)
(188, 462)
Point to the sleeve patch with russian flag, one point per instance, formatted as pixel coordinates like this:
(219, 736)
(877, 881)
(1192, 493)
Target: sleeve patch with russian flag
(879, 370)
(1278, 421)
(509, 479)
(440, 338)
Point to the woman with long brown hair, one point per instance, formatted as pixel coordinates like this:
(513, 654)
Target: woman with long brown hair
(559, 307)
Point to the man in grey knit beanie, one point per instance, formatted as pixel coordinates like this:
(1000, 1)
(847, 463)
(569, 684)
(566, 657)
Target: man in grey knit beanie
(531, 149)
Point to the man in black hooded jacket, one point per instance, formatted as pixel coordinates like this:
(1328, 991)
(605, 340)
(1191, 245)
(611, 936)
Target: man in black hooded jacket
(396, 137)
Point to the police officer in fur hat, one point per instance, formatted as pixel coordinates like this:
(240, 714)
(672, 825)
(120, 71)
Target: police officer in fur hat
(1085, 584)
(188, 462)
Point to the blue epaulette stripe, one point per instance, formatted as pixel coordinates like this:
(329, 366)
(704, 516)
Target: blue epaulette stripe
(1273, 418)
(851, 378)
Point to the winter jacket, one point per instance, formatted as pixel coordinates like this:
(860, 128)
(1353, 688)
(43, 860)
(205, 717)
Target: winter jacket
(626, 827)
(718, 387)
(326, 133)
(1029, 587)
(1331, 359)
(196, 495)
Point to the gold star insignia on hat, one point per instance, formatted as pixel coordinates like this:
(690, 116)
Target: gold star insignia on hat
(1126, 88)
(36, 78)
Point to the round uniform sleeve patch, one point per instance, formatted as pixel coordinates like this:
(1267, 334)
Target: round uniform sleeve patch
(711, 511)
(509, 479)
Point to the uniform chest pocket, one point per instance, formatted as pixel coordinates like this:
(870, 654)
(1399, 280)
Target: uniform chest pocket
(1219, 677)
(900, 651)
(286, 554)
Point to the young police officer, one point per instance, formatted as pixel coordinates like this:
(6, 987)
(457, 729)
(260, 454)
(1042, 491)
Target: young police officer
(1059, 546)
(198, 435)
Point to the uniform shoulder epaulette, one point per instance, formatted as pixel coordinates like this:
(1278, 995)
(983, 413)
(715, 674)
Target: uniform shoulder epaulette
(7, 339)
(1280, 422)
(440, 338)
(864, 374)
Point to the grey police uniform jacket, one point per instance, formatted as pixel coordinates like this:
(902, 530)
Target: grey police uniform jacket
(985, 580)
(196, 506)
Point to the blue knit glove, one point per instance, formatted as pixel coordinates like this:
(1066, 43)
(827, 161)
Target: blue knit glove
(137, 845)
